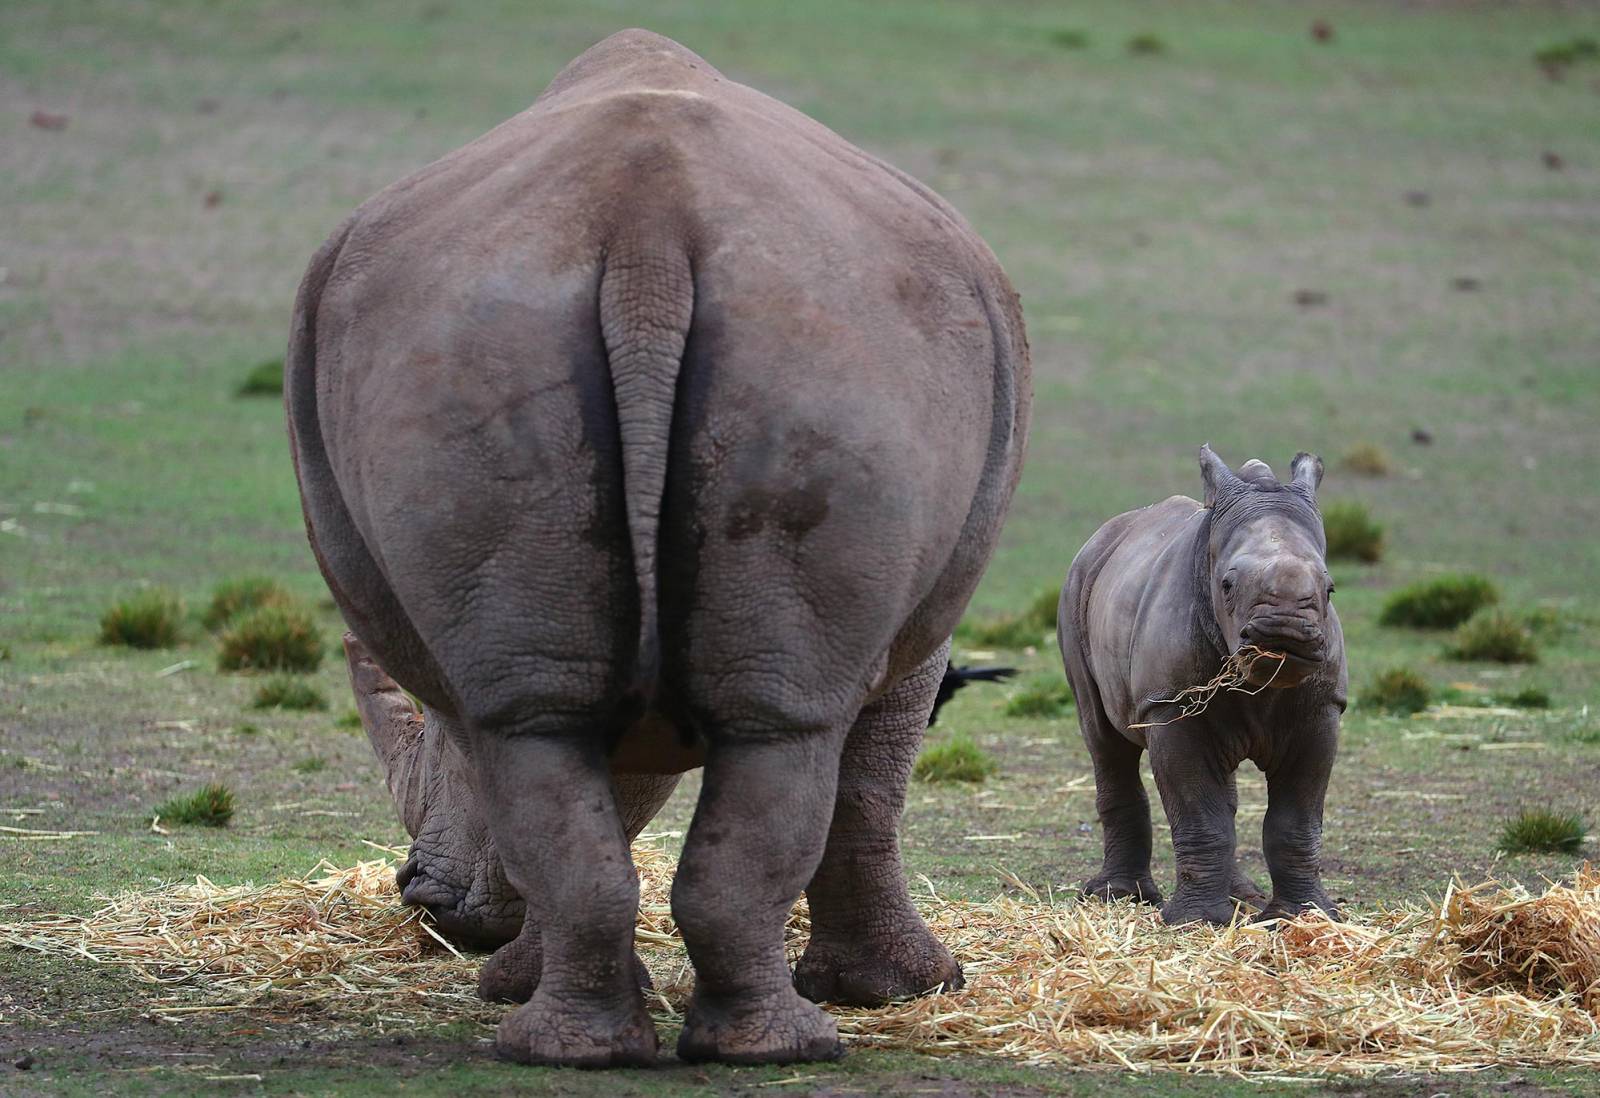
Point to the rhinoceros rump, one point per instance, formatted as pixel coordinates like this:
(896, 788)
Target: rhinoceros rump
(1155, 602)
(657, 427)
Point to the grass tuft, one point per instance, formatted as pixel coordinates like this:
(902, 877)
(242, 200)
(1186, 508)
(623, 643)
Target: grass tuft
(1146, 44)
(233, 597)
(1351, 532)
(264, 379)
(1033, 625)
(271, 638)
(208, 806)
(1557, 56)
(1399, 690)
(311, 764)
(1496, 637)
(957, 759)
(288, 692)
(1044, 697)
(1070, 38)
(1368, 459)
(149, 619)
(1529, 697)
(1541, 831)
(1441, 603)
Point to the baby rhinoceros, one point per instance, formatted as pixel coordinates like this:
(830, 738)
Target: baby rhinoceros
(1157, 602)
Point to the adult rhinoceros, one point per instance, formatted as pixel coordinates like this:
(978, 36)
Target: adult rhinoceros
(660, 426)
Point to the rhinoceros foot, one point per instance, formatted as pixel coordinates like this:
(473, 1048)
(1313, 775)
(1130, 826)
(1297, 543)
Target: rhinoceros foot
(780, 1028)
(1279, 908)
(549, 1029)
(857, 973)
(1183, 909)
(1122, 887)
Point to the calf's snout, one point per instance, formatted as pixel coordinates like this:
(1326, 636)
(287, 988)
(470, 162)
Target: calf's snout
(1295, 634)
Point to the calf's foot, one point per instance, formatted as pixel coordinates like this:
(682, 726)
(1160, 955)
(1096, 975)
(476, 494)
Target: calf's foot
(1280, 908)
(871, 973)
(1110, 886)
(1191, 908)
(545, 1030)
(780, 1028)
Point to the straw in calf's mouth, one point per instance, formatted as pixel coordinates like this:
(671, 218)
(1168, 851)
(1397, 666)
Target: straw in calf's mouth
(1234, 676)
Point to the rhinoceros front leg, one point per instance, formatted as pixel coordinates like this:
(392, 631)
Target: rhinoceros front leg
(1196, 792)
(1291, 833)
(868, 944)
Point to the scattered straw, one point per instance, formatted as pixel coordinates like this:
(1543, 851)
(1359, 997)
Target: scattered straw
(1233, 676)
(1490, 976)
(30, 834)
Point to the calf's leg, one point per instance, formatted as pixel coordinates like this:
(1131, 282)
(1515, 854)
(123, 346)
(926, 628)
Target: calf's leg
(868, 944)
(1120, 801)
(1291, 833)
(1194, 788)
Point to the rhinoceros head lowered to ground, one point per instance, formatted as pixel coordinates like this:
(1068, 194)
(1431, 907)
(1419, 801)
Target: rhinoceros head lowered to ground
(1268, 580)
(453, 870)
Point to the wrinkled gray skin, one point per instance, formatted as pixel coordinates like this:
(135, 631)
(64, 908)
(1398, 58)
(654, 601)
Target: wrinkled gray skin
(1154, 603)
(659, 427)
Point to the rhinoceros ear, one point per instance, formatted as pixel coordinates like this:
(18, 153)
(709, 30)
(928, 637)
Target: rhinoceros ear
(1218, 478)
(1305, 473)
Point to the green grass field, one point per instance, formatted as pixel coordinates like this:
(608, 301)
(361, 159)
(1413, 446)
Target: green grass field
(1418, 180)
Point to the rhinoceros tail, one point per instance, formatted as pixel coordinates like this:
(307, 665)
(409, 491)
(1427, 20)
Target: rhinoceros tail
(646, 304)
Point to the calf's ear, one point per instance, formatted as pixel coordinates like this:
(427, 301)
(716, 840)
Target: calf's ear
(1305, 472)
(1218, 478)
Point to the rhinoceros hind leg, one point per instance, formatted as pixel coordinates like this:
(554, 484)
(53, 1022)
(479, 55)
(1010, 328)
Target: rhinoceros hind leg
(554, 811)
(1119, 796)
(869, 946)
(757, 837)
(512, 974)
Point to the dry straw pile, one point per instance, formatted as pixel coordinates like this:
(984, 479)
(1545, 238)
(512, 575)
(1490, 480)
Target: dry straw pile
(1489, 976)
